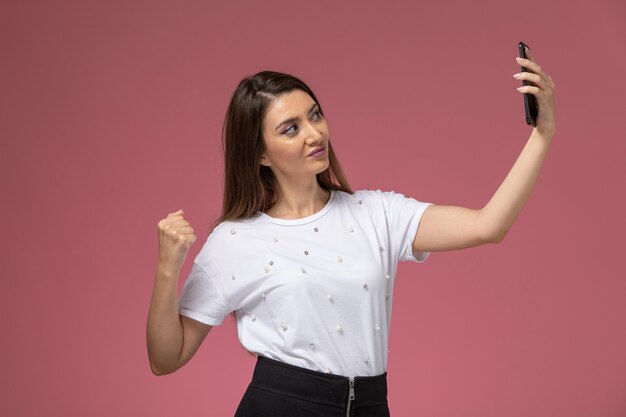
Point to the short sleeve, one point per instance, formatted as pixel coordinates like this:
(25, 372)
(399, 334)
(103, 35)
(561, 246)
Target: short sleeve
(201, 299)
(403, 217)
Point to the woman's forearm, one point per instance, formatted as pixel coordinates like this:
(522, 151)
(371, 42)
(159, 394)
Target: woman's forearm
(164, 329)
(510, 198)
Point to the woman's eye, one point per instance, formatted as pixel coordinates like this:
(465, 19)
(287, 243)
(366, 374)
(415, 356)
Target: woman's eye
(288, 131)
(291, 130)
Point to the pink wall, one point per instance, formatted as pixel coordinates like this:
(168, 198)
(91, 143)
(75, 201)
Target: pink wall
(110, 115)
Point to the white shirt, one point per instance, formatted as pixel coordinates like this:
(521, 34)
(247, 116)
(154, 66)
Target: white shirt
(314, 292)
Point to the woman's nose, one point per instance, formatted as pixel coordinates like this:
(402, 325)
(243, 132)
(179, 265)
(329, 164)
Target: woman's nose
(314, 133)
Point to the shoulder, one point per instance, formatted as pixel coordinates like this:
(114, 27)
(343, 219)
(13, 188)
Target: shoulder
(227, 229)
(382, 196)
(377, 193)
(359, 194)
(226, 239)
(365, 201)
(377, 197)
(387, 201)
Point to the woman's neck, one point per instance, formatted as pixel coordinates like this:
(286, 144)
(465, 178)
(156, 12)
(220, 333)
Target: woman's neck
(299, 203)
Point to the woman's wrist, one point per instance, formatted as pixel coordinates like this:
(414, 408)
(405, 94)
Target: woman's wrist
(545, 136)
(165, 271)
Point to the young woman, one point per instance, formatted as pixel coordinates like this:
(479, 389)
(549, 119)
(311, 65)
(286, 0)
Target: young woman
(306, 264)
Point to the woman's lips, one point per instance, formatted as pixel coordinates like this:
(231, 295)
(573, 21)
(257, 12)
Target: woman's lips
(318, 153)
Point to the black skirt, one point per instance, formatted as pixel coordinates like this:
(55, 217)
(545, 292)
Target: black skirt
(279, 389)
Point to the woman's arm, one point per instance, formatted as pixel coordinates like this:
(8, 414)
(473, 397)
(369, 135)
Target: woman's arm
(451, 227)
(172, 339)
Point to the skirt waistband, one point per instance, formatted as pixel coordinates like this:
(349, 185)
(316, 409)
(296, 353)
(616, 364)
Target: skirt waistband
(319, 387)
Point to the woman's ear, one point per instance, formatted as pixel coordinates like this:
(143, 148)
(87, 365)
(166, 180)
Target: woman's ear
(264, 161)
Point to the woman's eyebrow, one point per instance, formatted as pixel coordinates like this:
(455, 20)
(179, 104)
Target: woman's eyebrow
(294, 119)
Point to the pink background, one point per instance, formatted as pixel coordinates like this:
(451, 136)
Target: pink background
(110, 119)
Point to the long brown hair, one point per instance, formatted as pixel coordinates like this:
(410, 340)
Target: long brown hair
(250, 187)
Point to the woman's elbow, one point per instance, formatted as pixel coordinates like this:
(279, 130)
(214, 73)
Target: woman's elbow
(156, 371)
(160, 371)
(497, 235)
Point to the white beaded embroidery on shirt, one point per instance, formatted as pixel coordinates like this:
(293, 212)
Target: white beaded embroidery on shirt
(317, 270)
(338, 327)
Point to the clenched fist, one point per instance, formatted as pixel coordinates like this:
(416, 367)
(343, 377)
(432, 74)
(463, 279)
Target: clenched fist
(175, 238)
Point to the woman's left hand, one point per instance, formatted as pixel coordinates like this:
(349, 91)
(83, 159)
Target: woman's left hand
(542, 87)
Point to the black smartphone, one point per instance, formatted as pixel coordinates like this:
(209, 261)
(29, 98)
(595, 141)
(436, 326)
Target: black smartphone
(530, 101)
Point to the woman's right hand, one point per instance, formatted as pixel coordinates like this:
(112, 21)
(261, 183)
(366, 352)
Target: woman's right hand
(175, 238)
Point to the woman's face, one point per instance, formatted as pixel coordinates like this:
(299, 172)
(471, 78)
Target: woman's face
(293, 128)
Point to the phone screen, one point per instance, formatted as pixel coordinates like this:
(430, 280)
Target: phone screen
(530, 101)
